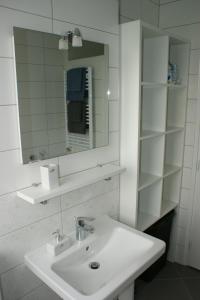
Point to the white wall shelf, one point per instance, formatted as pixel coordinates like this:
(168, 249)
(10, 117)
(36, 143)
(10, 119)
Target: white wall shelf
(170, 169)
(37, 194)
(148, 134)
(153, 115)
(147, 180)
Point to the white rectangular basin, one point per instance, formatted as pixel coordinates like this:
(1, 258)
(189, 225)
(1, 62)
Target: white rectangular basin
(117, 253)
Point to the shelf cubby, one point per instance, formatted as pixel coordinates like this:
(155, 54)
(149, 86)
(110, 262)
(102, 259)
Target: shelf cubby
(155, 59)
(149, 205)
(174, 149)
(178, 54)
(151, 156)
(171, 192)
(153, 109)
(176, 107)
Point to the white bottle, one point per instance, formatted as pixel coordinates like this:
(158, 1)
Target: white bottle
(49, 176)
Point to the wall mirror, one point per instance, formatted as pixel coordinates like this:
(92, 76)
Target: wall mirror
(62, 95)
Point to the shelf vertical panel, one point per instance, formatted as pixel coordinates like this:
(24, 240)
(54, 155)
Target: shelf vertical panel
(131, 51)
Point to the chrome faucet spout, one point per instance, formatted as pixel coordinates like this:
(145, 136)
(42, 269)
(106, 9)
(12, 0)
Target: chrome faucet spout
(82, 228)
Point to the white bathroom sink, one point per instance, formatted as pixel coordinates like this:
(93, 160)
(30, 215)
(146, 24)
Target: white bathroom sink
(117, 253)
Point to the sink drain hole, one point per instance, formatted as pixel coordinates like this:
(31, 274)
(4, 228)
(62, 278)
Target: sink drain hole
(94, 265)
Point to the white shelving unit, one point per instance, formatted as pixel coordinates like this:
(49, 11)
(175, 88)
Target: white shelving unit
(152, 122)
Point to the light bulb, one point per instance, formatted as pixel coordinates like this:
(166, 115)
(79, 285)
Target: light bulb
(63, 44)
(77, 41)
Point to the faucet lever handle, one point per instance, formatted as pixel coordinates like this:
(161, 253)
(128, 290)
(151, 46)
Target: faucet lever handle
(81, 220)
(57, 235)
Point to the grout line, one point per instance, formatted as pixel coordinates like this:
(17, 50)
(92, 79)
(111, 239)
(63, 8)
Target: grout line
(30, 224)
(167, 3)
(14, 104)
(55, 19)
(87, 27)
(30, 291)
(24, 11)
(8, 57)
(182, 25)
(8, 150)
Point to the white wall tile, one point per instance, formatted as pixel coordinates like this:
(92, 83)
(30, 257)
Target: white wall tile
(130, 9)
(79, 12)
(114, 83)
(10, 18)
(181, 236)
(190, 134)
(170, 14)
(16, 244)
(149, 12)
(7, 81)
(187, 178)
(103, 204)
(36, 7)
(9, 135)
(17, 282)
(43, 293)
(14, 175)
(87, 193)
(194, 62)
(182, 218)
(192, 107)
(114, 116)
(16, 213)
(190, 32)
(193, 86)
(188, 156)
(186, 198)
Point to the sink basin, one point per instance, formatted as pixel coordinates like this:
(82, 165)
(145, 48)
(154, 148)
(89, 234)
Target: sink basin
(106, 261)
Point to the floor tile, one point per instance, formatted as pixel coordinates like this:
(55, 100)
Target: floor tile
(169, 289)
(187, 272)
(168, 272)
(193, 286)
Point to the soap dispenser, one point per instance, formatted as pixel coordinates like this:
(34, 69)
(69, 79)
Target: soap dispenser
(58, 244)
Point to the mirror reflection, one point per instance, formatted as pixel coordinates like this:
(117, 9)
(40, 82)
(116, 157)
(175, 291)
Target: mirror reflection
(62, 95)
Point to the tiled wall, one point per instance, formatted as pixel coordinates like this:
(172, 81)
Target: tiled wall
(146, 10)
(23, 226)
(183, 18)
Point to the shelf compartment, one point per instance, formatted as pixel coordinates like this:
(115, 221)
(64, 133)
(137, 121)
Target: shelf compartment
(170, 169)
(152, 156)
(146, 84)
(173, 129)
(149, 203)
(176, 86)
(145, 221)
(167, 206)
(153, 109)
(148, 134)
(174, 148)
(176, 108)
(155, 59)
(37, 194)
(178, 54)
(171, 192)
(147, 180)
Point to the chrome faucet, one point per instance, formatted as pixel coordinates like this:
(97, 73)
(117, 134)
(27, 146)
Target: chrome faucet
(82, 228)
